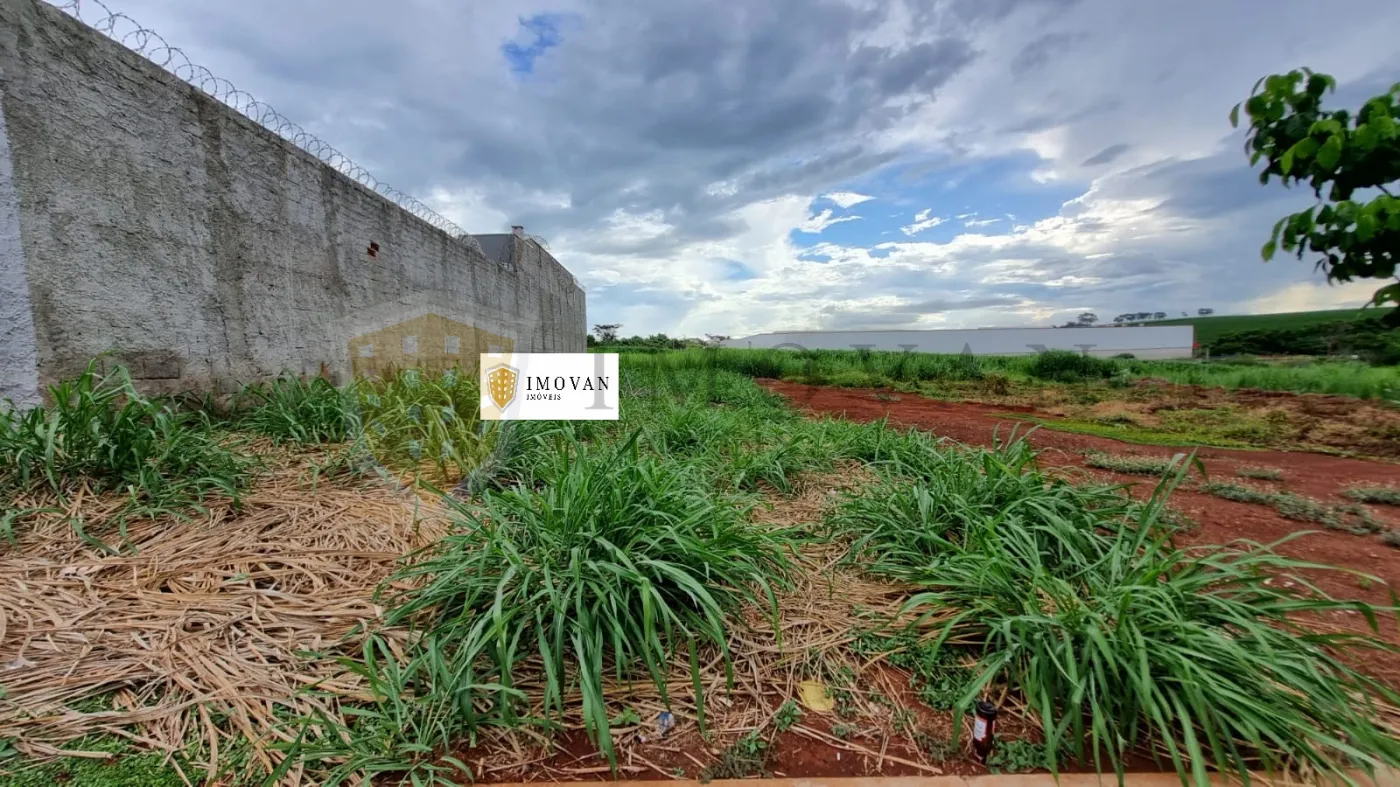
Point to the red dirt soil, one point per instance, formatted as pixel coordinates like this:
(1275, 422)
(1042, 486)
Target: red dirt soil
(1318, 476)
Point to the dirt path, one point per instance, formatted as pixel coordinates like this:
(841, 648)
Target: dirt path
(1314, 475)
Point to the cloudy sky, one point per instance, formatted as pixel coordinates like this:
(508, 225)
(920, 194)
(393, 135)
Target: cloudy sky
(736, 166)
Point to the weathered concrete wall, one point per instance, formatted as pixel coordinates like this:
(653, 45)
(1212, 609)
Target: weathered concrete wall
(202, 249)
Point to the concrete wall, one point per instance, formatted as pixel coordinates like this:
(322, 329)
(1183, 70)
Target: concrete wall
(1162, 341)
(201, 248)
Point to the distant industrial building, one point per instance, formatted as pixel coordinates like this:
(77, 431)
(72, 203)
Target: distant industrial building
(1148, 342)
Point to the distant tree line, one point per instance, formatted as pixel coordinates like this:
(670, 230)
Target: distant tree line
(607, 335)
(1089, 319)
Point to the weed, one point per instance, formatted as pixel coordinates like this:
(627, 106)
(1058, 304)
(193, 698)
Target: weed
(788, 714)
(622, 559)
(844, 731)
(1346, 517)
(1391, 538)
(414, 418)
(125, 768)
(627, 718)
(745, 758)
(904, 720)
(1261, 473)
(1129, 463)
(938, 675)
(1066, 366)
(1016, 756)
(1197, 650)
(297, 410)
(936, 749)
(101, 433)
(1370, 493)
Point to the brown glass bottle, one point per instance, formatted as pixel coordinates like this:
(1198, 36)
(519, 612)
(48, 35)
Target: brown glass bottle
(984, 730)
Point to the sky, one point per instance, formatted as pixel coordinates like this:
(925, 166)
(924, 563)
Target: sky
(738, 166)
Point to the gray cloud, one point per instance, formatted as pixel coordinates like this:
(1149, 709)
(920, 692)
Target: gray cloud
(1039, 52)
(646, 107)
(1106, 155)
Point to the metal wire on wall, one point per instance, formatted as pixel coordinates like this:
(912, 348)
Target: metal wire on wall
(149, 44)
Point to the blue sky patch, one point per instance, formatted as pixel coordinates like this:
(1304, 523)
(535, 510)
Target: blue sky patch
(540, 33)
(935, 205)
(737, 271)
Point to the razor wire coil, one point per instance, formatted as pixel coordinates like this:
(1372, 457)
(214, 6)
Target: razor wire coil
(153, 47)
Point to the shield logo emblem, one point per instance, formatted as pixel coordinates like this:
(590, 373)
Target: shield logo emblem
(500, 384)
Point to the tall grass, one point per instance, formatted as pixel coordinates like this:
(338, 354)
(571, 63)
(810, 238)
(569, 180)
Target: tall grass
(875, 369)
(99, 433)
(1117, 639)
(931, 497)
(618, 564)
(407, 420)
(292, 409)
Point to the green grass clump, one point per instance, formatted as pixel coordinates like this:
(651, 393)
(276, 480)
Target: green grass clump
(292, 409)
(1372, 493)
(1260, 473)
(101, 433)
(930, 494)
(1016, 756)
(938, 675)
(414, 418)
(1118, 637)
(1129, 463)
(619, 562)
(1350, 518)
(748, 757)
(125, 768)
(1066, 366)
(786, 716)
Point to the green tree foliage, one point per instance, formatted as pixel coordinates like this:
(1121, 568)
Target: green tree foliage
(1342, 153)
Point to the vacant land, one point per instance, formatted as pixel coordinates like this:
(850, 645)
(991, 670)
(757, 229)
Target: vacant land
(933, 374)
(327, 585)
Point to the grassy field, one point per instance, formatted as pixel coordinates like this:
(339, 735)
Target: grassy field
(873, 369)
(591, 574)
(1210, 328)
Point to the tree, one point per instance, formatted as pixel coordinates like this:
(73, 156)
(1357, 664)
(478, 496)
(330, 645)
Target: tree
(1204, 312)
(715, 339)
(1345, 153)
(606, 332)
(1088, 318)
(1159, 315)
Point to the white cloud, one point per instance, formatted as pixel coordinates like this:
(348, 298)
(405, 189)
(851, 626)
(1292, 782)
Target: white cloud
(816, 223)
(922, 221)
(1310, 296)
(847, 199)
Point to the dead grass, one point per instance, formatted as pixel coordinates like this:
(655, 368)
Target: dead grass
(201, 631)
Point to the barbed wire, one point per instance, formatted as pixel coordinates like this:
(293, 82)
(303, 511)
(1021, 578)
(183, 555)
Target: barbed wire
(149, 44)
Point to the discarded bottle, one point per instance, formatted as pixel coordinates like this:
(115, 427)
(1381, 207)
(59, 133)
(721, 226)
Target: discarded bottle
(984, 730)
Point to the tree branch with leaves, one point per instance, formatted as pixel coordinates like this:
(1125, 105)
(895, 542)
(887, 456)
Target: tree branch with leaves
(1354, 158)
